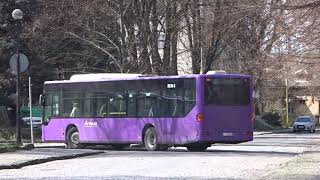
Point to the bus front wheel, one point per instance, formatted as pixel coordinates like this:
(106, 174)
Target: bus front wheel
(197, 147)
(73, 139)
(150, 139)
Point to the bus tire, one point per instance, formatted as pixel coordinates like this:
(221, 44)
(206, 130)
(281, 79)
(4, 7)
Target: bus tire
(150, 139)
(72, 139)
(197, 147)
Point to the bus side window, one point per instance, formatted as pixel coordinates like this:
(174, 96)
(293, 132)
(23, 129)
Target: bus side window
(71, 104)
(117, 105)
(189, 94)
(132, 104)
(75, 110)
(172, 98)
(102, 107)
(56, 105)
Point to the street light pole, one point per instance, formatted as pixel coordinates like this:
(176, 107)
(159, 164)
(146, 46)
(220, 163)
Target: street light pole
(18, 127)
(17, 15)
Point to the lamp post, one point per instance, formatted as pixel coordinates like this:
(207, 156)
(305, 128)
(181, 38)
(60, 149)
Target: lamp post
(17, 15)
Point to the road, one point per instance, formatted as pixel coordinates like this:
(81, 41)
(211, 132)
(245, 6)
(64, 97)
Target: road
(252, 160)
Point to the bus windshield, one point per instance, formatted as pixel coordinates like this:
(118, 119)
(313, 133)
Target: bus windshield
(227, 91)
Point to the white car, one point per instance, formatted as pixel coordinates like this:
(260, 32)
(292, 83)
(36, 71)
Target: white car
(36, 121)
(304, 123)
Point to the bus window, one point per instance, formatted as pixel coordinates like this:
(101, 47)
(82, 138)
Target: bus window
(173, 98)
(132, 104)
(189, 94)
(223, 91)
(75, 112)
(71, 105)
(88, 105)
(55, 105)
(101, 107)
(148, 104)
(117, 105)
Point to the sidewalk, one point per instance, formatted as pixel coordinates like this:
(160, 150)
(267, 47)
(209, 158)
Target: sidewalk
(304, 166)
(41, 154)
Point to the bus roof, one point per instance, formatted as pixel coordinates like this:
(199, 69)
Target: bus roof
(118, 76)
(101, 76)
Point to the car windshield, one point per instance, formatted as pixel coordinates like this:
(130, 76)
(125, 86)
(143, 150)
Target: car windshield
(303, 119)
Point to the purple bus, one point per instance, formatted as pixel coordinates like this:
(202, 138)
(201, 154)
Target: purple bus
(192, 111)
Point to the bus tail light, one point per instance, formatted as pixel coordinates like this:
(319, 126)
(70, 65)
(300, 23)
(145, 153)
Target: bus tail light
(200, 117)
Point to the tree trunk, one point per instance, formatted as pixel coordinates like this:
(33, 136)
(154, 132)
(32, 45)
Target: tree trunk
(196, 30)
(167, 41)
(153, 43)
(4, 119)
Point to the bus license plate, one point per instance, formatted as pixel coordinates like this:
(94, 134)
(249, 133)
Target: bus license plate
(227, 134)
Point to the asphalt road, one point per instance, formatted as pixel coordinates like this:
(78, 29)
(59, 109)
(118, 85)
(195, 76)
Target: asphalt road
(252, 160)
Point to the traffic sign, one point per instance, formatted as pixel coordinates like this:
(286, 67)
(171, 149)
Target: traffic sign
(24, 63)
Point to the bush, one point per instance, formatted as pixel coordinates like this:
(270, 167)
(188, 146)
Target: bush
(272, 118)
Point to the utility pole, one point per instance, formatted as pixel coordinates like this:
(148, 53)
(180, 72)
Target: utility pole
(30, 113)
(287, 104)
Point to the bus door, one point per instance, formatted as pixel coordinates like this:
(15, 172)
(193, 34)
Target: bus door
(51, 130)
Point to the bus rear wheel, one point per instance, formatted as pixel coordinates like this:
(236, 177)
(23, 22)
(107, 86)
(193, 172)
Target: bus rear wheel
(197, 147)
(73, 139)
(150, 139)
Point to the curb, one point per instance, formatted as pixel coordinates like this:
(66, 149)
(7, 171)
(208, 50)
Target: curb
(273, 132)
(40, 161)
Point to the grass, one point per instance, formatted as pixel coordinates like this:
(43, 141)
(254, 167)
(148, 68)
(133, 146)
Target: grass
(8, 147)
(7, 139)
(8, 134)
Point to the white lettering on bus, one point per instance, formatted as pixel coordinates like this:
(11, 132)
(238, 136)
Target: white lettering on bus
(171, 86)
(90, 124)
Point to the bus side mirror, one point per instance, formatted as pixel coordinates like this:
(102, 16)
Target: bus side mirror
(41, 100)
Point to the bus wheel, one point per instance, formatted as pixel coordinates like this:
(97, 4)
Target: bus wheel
(150, 139)
(73, 139)
(197, 147)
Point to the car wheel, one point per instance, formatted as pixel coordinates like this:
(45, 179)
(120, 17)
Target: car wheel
(150, 139)
(73, 139)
